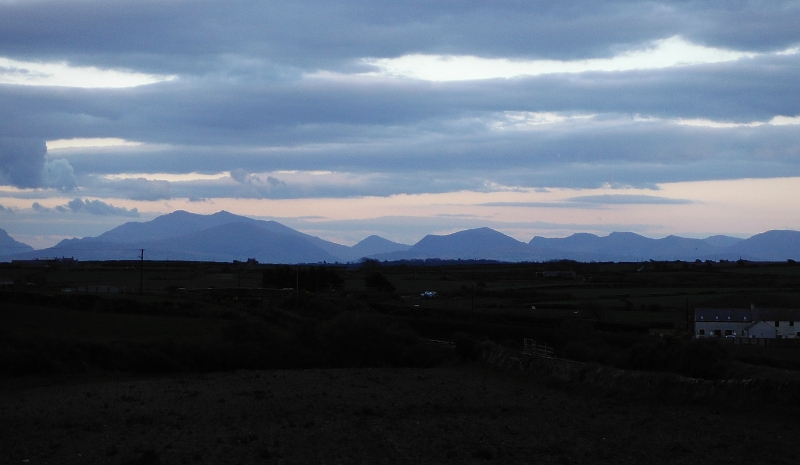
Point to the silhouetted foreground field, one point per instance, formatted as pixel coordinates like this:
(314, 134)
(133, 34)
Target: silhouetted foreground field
(461, 414)
(220, 363)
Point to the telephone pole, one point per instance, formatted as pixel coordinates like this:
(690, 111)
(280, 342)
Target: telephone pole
(141, 272)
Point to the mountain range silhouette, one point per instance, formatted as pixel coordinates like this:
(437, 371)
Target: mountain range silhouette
(224, 236)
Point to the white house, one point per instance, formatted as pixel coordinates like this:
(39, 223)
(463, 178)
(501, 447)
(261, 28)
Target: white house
(761, 323)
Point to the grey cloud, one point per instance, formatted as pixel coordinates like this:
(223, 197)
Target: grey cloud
(242, 104)
(195, 36)
(627, 199)
(59, 174)
(92, 207)
(621, 152)
(252, 187)
(531, 204)
(22, 161)
(40, 208)
(275, 182)
(240, 175)
(142, 189)
(212, 112)
(100, 208)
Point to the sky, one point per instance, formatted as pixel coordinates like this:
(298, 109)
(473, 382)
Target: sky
(351, 118)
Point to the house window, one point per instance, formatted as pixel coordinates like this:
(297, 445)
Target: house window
(728, 332)
(702, 332)
(791, 323)
(717, 332)
(743, 333)
(777, 323)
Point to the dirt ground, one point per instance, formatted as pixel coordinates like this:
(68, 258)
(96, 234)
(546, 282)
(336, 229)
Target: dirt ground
(463, 414)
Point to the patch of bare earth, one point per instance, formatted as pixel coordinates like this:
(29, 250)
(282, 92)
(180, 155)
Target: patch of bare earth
(464, 414)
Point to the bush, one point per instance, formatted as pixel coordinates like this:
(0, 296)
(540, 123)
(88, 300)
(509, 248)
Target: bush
(705, 359)
(467, 346)
(698, 358)
(378, 281)
(355, 340)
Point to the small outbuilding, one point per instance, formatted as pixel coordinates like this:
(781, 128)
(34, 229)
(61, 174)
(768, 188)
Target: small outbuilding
(761, 330)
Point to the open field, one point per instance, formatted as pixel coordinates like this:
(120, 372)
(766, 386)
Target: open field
(459, 414)
(593, 312)
(234, 363)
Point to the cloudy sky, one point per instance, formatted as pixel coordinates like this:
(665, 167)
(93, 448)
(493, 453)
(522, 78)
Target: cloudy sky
(350, 118)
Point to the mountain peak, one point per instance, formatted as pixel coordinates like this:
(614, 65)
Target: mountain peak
(9, 245)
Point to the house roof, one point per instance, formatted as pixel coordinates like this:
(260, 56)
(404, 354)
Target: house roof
(746, 315)
(759, 323)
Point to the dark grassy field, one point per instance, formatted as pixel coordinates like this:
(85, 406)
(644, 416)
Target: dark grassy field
(469, 413)
(185, 312)
(194, 323)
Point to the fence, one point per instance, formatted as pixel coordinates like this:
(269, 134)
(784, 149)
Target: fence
(530, 347)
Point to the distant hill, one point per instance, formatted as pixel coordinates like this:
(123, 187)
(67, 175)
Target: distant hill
(9, 246)
(722, 241)
(485, 243)
(626, 246)
(776, 245)
(224, 236)
(481, 243)
(239, 241)
(373, 245)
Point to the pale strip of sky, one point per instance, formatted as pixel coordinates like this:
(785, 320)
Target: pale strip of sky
(665, 53)
(63, 74)
(297, 176)
(90, 142)
(775, 121)
(171, 177)
(527, 120)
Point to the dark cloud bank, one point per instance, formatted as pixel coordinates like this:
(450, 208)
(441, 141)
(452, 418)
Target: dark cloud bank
(240, 101)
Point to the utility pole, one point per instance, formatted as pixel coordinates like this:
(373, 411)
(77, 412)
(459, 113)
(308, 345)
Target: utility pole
(141, 272)
(687, 316)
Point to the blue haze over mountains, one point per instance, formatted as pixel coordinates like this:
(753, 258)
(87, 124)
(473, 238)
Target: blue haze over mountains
(224, 236)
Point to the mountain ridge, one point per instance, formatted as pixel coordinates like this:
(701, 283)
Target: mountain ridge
(9, 245)
(224, 236)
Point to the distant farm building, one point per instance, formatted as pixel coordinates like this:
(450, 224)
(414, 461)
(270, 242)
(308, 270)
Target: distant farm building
(752, 323)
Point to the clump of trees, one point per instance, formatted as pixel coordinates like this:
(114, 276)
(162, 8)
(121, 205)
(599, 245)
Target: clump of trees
(312, 279)
(378, 281)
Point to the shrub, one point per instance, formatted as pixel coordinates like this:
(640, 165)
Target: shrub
(705, 359)
(378, 281)
(467, 346)
(357, 340)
